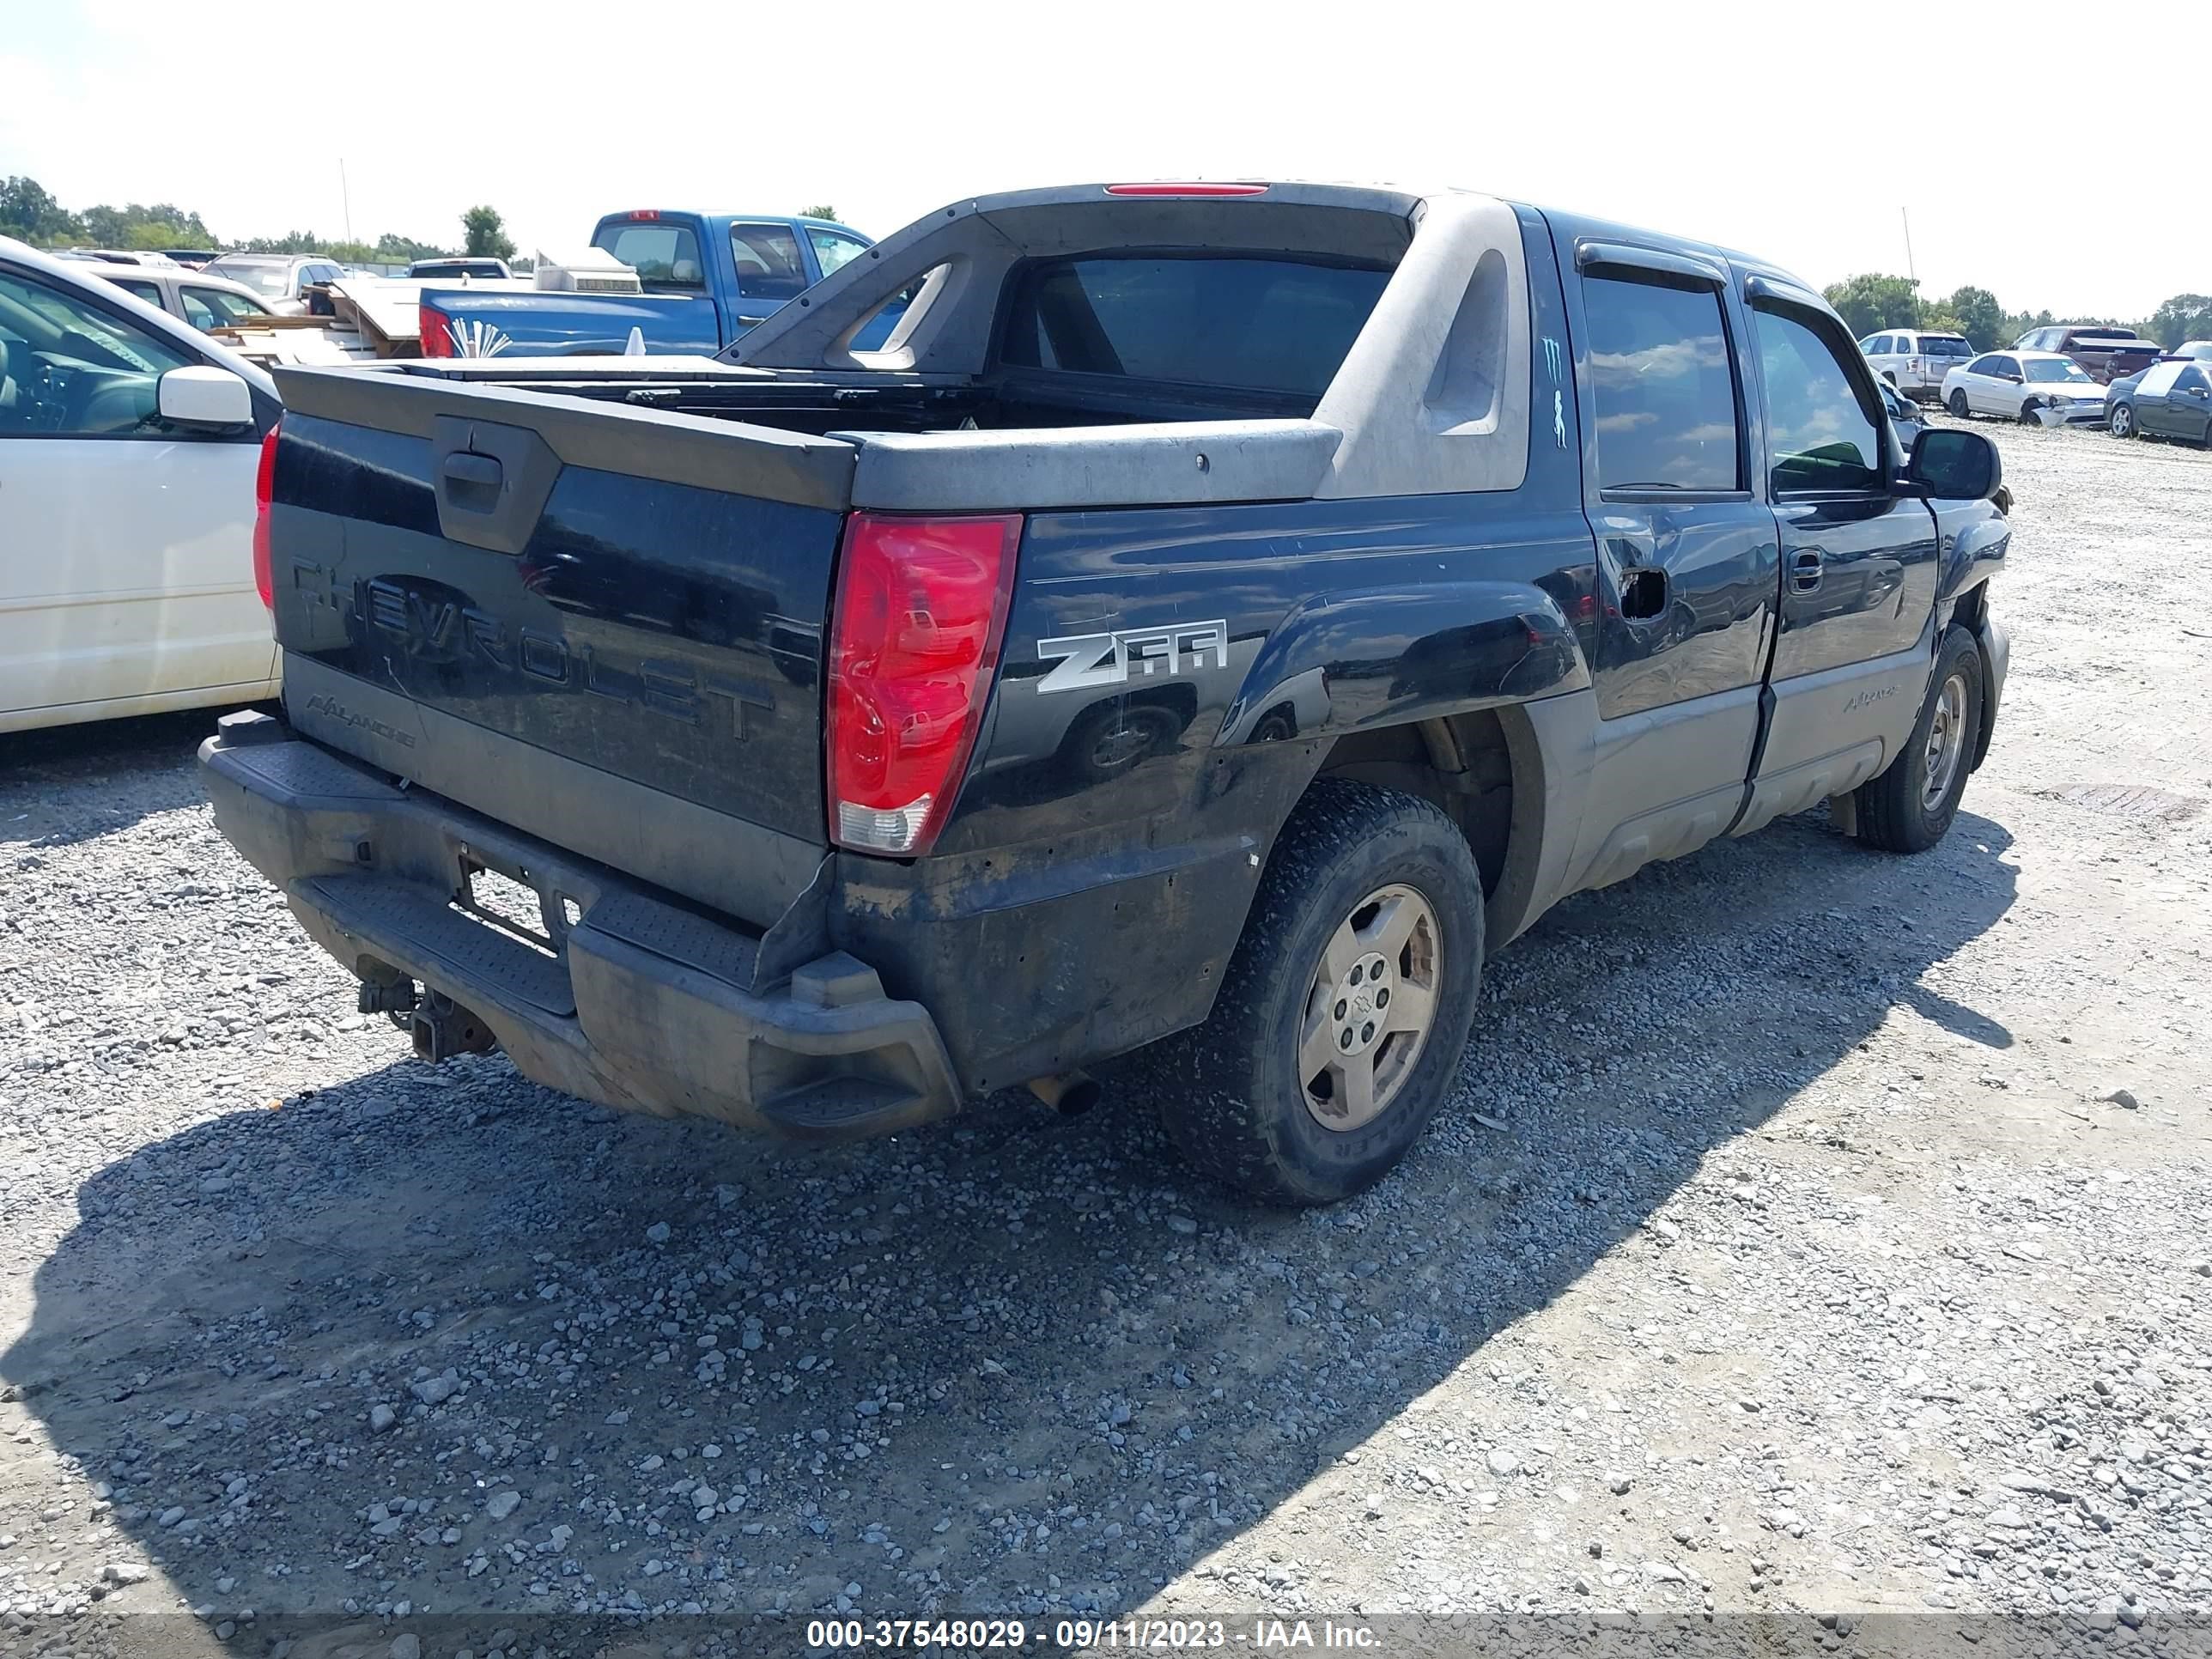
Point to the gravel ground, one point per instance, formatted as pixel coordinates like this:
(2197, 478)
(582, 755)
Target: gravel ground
(1813, 1232)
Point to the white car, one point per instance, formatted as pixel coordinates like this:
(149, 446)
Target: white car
(190, 296)
(280, 279)
(1915, 360)
(129, 450)
(2037, 388)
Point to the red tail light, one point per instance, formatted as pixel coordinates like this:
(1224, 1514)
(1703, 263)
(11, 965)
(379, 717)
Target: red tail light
(264, 491)
(430, 324)
(920, 608)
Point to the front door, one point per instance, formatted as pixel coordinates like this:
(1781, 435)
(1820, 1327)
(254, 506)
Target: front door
(2189, 405)
(1685, 550)
(1859, 566)
(126, 567)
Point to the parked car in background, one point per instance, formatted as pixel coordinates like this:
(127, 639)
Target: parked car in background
(488, 270)
(279, 280)
(2105, 351)
(1915, 360)
(192, 258)
(2037, 388)
(128, 452)
(2172, 398)
(1904, 415)
(120, 256)
(190, 296)
(2200, 349)
(708, 278)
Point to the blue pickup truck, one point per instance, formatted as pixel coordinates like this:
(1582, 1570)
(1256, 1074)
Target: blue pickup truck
(708, 278)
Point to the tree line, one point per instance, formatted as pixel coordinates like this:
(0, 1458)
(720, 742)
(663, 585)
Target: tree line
(29, 213)
(1870, 303)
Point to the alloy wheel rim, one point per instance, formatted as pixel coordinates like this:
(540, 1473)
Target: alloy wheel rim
(1947, 730)
(1370, 1007)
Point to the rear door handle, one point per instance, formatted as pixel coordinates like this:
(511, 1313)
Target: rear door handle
(1805, 569)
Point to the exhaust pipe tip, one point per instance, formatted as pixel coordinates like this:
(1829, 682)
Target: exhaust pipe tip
(1069, 1093)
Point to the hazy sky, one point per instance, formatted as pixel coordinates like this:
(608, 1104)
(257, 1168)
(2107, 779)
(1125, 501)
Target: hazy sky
(1779, 128)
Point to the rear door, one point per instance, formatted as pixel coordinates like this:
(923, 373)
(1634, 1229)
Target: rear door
(2189, 405)
(1685, 548)
(771, 268)
(1858, 562)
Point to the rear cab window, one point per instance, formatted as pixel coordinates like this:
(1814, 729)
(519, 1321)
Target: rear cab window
(1271, 326)
(770, 265)
(834, 250)
(665, 255)
(1663, 383)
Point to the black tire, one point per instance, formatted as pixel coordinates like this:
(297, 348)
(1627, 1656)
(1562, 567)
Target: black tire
(1956, 402)
(1246, 1120)
(2120, 420)
(2028, 414)
(1896, 813)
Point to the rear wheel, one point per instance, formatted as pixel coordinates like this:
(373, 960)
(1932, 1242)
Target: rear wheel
(1909, 808)
(2120, 421)
(1956, 402)
(1341, 1019)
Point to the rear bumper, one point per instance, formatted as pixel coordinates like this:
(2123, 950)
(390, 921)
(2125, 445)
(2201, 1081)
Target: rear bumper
(631, 1001)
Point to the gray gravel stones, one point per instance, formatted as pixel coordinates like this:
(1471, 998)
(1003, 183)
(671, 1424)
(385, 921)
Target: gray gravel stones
(438, 1339)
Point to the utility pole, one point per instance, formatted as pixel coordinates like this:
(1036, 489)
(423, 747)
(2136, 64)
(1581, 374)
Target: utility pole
(345, 197)
(1909, 270)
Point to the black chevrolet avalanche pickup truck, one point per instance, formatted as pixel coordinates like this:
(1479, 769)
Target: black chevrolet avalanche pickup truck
(1216, 614)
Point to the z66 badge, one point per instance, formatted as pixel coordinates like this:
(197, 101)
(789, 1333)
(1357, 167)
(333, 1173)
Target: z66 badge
(1089, 660)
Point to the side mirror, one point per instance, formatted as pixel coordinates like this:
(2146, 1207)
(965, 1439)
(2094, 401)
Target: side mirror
(206, 397)
(1955, 465)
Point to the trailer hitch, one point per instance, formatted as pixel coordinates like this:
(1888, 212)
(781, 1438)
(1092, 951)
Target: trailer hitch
(442, 1029)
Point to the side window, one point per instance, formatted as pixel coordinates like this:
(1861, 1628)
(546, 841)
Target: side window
(150, 292)
(1982, 366)
(1824, 437)
(2190, 380)
(768, 263)
(666, 256)
(834, 252)
(196, 311)
(226, 308)
(2007, 366)
(76, 370)
(2158, 379)
(1663, 383)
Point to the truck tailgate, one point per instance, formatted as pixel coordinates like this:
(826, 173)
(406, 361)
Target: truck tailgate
(601, 624)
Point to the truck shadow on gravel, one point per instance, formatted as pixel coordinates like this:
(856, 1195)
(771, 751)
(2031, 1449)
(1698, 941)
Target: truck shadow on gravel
(446, 1338)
